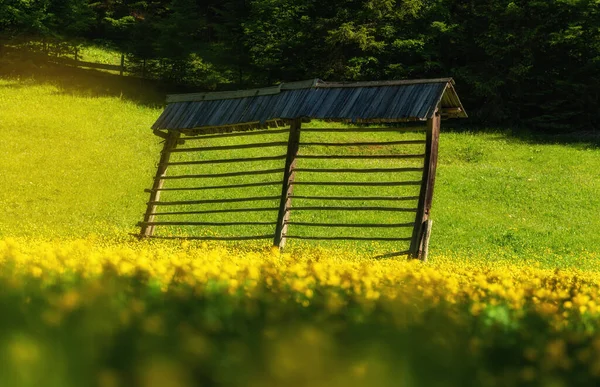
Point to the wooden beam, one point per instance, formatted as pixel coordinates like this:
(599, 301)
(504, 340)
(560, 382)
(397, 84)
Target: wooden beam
(345, 238)
(362, 198)
(415, 128)
(182, 223)
(226, 174)
(227, 161)
(428, 182)
(237, 134)
(359, 183)
(147, 230)
(363, 208)
(354, 225)
(231, 147)
(404, 142)
(220, 211)
(287, 188)
(211, 187)
(215, 238)
(213, 201)
(358, 170)
(425, 239)
(360, 157)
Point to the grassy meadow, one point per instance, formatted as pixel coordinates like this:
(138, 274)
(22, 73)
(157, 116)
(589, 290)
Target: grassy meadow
(75, 165)
(508, 297)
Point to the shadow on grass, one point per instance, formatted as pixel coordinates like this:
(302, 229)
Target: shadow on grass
(31, 69)
(580, 139)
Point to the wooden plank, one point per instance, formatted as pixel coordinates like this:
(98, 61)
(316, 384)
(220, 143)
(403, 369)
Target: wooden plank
(368, 198)
(368, 143)
(226, 161)
(210, 201)
(210, 187)
(372, 208)
(177, 223)
(216, 238)
(231, 147)
(383, 83)
(425, 240)
(226, 174)
(428, 181)
(226, 210)
(419, 128)
(170, 144)
(361, 157)
(287, 189)
(359, 183)
(353, 225)
(358, 170)
(238, 134)
(345, 238)
(218, 95)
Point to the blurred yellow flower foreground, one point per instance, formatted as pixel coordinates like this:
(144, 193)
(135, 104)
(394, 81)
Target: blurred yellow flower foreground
(95, 312)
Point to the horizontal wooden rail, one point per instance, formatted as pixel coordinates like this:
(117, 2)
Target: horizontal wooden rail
(226, 161)
(209, 187)
(226, 210)
(346, 238)
(392, 198)
(420, 128)
(357, 170)
(337, 208)
(226, 174)
(237, 134)
(215, 238)
(359, 183)
(176, 223)
(355, 225)
(209, 201)
(230, 147)
(404, 142)
(360, 157)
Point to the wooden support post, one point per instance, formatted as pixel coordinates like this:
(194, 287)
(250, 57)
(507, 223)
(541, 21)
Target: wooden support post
(427, 184)
(287, 188)
(170, 144)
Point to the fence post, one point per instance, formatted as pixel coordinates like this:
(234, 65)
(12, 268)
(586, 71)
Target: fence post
(170, 144)
(122, 64)
(287, 188)
(426, 195)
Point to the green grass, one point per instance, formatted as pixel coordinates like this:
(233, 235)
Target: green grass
(75, 163)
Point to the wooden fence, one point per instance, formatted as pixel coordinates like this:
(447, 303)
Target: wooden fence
(289, 155)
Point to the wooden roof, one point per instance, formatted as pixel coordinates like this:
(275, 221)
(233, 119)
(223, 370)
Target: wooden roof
(386, 101)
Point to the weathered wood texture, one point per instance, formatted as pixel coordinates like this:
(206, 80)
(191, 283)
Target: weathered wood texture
(426, 194)
(219, 211)
(170, 143)
(232, 147)
(226, 174)
(365, 143)
(422, 202)
(237, 134)
(360, 157)
(357, 170)
(287, 188)
(360, 183)
(212, 187)
(228, 161)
